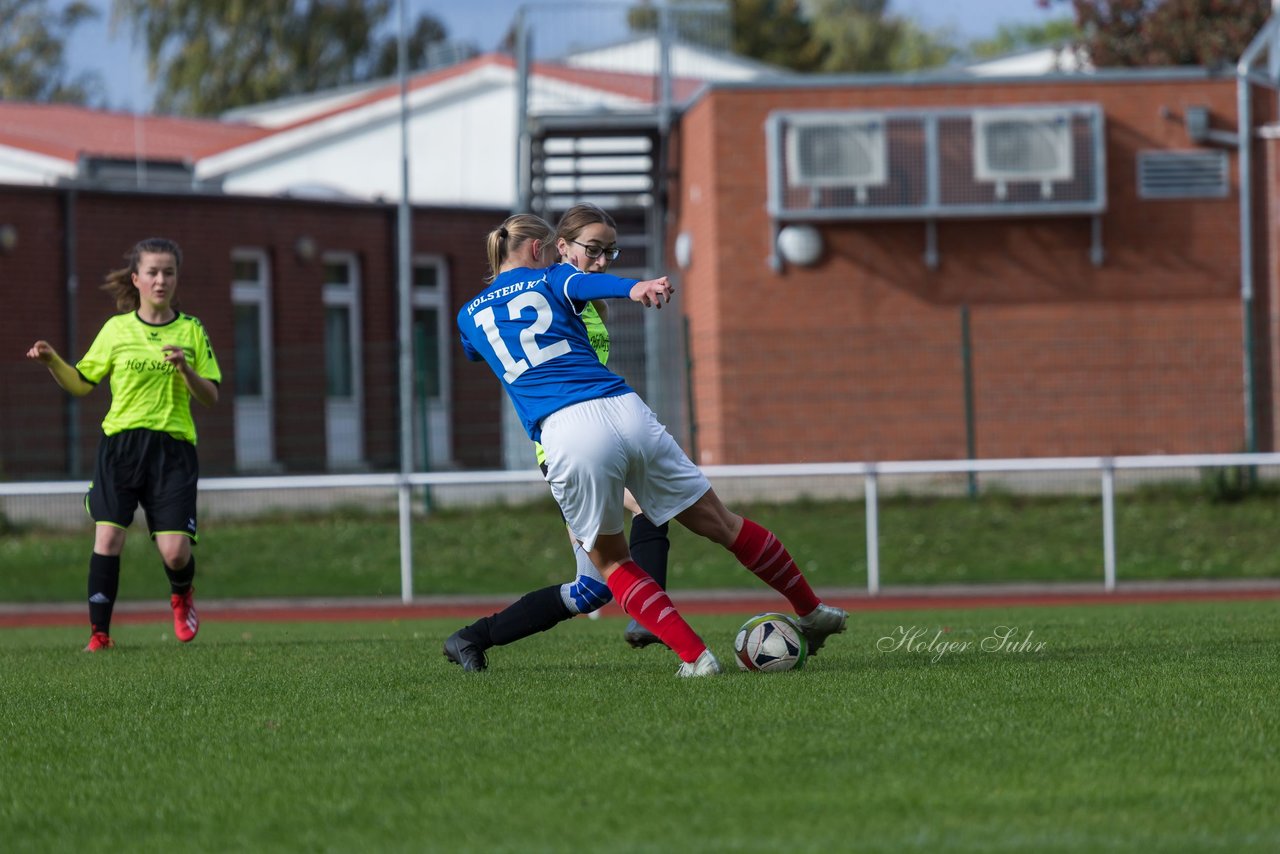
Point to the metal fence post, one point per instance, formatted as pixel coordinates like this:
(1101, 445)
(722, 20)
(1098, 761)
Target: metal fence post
(873, 534)
(1109, 524)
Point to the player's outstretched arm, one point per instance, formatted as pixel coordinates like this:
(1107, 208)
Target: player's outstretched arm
(64, 374)
(653, 293)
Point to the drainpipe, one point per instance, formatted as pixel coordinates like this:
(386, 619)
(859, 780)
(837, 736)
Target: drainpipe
(1244, 141)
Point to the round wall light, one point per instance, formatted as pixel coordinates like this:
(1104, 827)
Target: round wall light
(800, 245)
(305, 248)
(684, 249)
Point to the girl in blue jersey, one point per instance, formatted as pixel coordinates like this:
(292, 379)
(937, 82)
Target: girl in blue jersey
(601, 439)
(586, 237)
(157, 360)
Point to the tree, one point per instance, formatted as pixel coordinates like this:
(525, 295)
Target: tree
(809, 35)
(33, 53)
(427, 34)
(1012, 38)
(212, 55)
(775, 32)
(1166, 32)
(860, 36)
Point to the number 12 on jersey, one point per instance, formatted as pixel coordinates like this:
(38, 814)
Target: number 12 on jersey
(534, 354)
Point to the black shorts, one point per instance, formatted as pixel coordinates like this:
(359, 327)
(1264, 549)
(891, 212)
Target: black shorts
(148, 468)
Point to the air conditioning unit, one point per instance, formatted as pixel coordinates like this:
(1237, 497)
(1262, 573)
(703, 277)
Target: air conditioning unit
(842, 151)
(1022, 145)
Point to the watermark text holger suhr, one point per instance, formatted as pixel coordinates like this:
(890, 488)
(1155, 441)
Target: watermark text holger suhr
(936, 644)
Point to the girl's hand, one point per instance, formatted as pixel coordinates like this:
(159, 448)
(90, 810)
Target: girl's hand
(176, 356)
(652, 294)
(42, 352)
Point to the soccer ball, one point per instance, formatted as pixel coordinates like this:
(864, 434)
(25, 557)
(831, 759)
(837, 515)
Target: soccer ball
(770, 642)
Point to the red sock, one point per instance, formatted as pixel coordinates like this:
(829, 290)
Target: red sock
(642, 598)
(761, 552)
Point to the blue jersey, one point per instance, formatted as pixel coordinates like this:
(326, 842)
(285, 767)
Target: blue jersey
(526, 326)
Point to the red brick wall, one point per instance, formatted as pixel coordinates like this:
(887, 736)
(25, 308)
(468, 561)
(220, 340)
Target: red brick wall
(32, 408)
(860, 357)
(693, 201)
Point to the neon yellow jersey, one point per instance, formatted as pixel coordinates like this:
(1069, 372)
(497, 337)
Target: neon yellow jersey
(598, 335)
(146, 391)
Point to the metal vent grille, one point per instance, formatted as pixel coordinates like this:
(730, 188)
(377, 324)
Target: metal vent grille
(1183, 174)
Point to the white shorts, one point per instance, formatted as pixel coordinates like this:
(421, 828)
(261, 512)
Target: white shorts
(597, 447)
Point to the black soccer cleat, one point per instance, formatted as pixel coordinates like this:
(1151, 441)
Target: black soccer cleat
(638, 636)
(465, 653)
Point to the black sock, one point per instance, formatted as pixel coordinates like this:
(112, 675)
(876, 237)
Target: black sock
(180, 579)
(531, 613)
(650, 546)
(104, 583)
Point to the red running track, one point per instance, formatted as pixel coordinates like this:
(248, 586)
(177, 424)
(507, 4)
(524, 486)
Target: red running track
(700, 602)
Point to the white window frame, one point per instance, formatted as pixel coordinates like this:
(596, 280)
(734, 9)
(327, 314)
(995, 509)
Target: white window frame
(348, 296)
(258, 293)
(438, 299)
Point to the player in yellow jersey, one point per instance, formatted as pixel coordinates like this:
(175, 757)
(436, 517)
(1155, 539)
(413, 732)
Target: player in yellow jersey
(157, 360)
(585, 237)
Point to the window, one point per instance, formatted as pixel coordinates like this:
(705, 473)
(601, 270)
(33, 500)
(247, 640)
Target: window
(337, 352)
(344, 392)
(341, 328)
(426, 275)
(426, 350)
(248, 358)
(433, 333)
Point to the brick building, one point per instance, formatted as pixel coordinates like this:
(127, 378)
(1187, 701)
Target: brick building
(1111, 325)
(1091, 307)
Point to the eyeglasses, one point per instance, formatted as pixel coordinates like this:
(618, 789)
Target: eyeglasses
(593, 252)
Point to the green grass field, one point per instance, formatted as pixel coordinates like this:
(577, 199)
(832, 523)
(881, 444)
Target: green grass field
(1188, 533)
(1133, 728)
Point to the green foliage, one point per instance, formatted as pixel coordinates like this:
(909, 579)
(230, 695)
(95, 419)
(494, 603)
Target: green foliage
(1013, 38)
(33, 64)
(1207, 33)
(213, 55)
(861, 36)
(828, 36)
(775, 32)
(1236, 483)
(691, 21)
(1139, 728)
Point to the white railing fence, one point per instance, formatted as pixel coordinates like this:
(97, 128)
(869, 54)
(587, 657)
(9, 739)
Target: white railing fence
(479, 487)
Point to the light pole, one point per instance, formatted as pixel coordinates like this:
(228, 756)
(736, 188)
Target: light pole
(404, 251)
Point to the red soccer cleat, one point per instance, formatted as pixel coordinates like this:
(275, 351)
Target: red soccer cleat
(99, 641)
(185, 621)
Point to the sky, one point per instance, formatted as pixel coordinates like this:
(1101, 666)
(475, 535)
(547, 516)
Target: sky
(123, 69)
